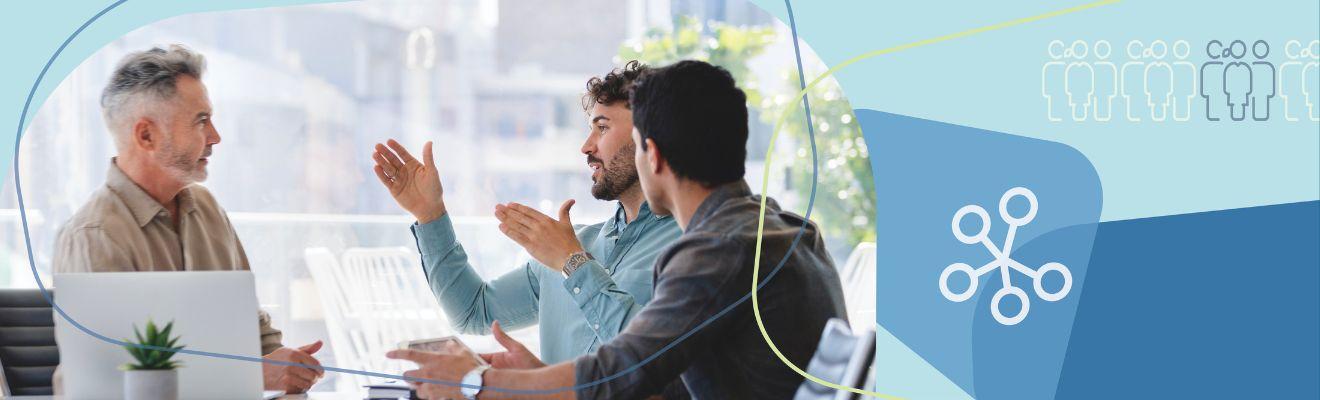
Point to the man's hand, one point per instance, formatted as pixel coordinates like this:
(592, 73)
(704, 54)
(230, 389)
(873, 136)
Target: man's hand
(292, 379)
(514, 356)
(414, 184)
(435, 367)
(549, 241)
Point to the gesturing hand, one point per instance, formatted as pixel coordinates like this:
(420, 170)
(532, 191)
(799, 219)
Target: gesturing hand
(414, 184)
(291, 378)
(436, 367)
(514, 356)
(549, 241)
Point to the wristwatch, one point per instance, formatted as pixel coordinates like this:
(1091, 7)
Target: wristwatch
(472, 382)
(574, 262)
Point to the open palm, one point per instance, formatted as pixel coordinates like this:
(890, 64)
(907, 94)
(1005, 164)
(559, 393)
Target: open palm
(414, 184)
(515, 354)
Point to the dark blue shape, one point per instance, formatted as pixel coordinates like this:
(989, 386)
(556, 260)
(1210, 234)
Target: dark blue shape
(1210, 305)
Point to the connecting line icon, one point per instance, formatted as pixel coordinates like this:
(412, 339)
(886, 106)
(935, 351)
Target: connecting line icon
(1003, 259)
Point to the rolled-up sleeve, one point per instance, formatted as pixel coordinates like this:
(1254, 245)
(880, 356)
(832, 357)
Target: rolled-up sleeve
(271, 338)
(470, 303)
(690, 289)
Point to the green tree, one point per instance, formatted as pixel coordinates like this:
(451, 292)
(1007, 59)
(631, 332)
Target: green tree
(845, 200)
(845, 192)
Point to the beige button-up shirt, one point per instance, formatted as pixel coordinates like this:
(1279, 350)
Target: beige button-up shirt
(123, 229)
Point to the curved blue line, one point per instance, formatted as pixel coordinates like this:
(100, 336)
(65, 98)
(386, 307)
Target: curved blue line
(27, 240)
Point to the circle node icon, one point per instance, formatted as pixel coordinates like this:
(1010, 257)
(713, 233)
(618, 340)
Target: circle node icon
(1003, 261)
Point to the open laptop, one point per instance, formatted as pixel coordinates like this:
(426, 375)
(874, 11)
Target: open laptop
(213, 311)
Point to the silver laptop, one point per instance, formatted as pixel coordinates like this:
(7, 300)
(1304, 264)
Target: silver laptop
(212, 311)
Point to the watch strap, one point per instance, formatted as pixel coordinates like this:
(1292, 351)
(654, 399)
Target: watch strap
(574, 262)
(473, 378)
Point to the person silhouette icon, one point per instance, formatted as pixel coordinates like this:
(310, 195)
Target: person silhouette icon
(1184, 81)
(1212, 80)
(1132, 80)
(1290, 78)
(1290, 86)
(1159, 81)
(1311, 82)
(1262, 82)
(1079, 81)
(1051, 80)
(1237, 81)
(1106, 81)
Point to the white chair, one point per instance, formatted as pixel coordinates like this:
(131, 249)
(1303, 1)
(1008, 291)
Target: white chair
(374, 300)
(859, 285)
(345, 341)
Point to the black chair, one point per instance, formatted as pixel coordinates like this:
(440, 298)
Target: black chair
(842, 358)
(28, 355)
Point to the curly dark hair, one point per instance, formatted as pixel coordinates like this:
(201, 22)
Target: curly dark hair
(614, 86)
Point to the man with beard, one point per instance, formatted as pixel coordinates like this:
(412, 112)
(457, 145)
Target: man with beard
(586, 282)
(150, 216)
(691, 148)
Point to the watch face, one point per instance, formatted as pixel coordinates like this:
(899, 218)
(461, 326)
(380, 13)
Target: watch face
(471, 381)
(574, 262)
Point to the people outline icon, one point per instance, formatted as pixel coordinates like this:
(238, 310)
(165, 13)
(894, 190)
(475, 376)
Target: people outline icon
(1051, 74)
(1262, 82)
(1106, 81)
(1133, 79)
(1158, 82)
(1184, 81)
(1079, 81)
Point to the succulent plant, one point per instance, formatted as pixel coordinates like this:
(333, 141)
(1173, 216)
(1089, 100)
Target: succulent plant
(153, 351)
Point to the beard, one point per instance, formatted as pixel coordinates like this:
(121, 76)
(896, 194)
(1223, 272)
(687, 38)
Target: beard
(180, 164)
(617, 176)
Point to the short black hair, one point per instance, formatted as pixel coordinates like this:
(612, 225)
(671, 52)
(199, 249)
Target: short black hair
(697, 116)
(613, 87)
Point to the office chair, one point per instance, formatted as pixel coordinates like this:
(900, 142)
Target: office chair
(841, 357)
(28, 355)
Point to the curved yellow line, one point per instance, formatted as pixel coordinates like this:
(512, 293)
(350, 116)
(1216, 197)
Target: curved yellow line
(760, 226)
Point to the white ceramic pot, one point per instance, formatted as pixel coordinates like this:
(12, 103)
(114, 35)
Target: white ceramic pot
(162, 384)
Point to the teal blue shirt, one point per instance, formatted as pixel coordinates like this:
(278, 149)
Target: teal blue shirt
(577, 314)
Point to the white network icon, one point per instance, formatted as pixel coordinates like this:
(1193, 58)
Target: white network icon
(1003, 260)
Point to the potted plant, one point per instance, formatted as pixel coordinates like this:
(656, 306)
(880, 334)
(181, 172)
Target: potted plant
(153, 375)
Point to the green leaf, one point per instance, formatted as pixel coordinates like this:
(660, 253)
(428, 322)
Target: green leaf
(157, 347)
(151, 332)
(165, 334)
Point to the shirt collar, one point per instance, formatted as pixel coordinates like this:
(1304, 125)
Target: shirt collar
(140, 204)
(718, 195)
(619, 221)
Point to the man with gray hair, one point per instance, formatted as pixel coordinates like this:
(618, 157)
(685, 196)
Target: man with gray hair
(150, 216)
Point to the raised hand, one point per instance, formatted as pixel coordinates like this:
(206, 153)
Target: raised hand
(549, 241)
(415, 185)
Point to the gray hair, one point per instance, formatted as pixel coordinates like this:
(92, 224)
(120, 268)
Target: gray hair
(142, 77)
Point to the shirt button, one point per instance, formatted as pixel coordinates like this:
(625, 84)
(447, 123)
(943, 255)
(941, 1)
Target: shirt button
(577, 290)
(595, 327)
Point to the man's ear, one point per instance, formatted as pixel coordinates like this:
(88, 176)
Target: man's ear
(145, 133)
(653, 157)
